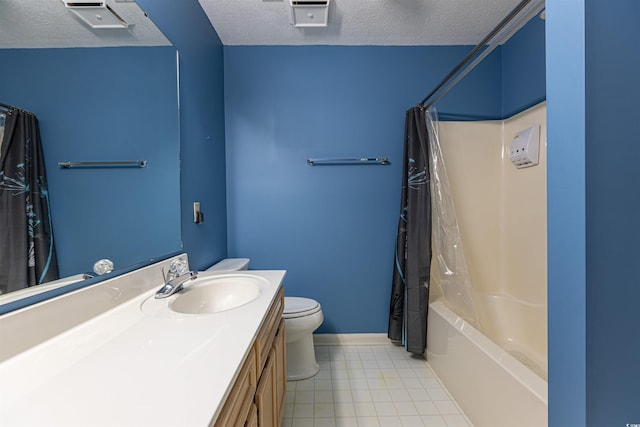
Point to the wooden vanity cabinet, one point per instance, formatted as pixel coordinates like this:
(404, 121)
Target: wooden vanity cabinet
(257, 396)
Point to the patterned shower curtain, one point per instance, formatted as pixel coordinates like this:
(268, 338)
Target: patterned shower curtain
(411, 277)
(27, 253)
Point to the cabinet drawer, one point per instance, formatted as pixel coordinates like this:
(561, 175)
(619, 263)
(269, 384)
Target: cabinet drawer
(240, 400)
(269, 328)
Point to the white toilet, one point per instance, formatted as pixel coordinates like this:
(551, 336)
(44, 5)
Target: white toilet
(230, 264)
(302, 316)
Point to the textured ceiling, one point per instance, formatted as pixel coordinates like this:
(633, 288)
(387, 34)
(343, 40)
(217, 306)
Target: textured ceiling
(48, 24)
(359, 22)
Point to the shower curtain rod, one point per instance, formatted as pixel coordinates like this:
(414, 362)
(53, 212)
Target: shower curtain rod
(449, 78)
(8, 107)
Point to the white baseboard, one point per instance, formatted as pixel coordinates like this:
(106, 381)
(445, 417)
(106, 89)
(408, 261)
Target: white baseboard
(352, 339)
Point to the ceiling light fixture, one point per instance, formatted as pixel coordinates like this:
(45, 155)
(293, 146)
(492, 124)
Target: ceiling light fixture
(96, 14)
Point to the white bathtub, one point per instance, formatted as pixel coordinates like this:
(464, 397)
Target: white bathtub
(492, 387)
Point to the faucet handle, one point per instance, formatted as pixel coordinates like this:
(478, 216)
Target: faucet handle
(178, 267)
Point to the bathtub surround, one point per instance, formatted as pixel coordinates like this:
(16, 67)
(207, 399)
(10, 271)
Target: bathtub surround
(492, 387)
(501, 213)
(410, 286)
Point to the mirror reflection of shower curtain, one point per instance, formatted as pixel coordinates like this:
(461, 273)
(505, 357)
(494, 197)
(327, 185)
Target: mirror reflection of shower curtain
(411, 277)
(27, 252)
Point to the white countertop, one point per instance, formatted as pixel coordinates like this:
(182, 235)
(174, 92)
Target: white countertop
(128, 368)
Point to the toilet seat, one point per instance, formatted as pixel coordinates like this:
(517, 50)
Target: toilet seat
(299, 307)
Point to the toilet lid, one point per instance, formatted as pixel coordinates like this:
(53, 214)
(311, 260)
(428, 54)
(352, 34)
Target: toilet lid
(297, 307)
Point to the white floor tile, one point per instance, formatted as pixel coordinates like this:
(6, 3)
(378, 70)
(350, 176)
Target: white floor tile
(381, 395)
(324, 422)
(456, 420)
(406, 408)
(346, 422)
(344, 409)
(418, 394)
(342, 396)
(338, 364)
(356, 373)
(400, 395)
(323, 396)
(302, 422)
(447, 407)
(308, 384)
(288, 411)
(393, 421)
(323, 385)
(386, 409)
(426, 408)
(411, 421)
(377, 386)
(368, 422)
(433, 421)
(438, 394)
(303, 410)
(361, 396)
(341, 384)
(323, 410)
(304, 397)
(365, 409)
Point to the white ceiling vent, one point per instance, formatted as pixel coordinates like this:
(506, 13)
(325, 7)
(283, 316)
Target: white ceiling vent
(96, 14)
(309, 13)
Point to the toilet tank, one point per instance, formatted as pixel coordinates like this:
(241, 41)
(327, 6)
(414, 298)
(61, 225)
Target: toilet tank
(230, 264)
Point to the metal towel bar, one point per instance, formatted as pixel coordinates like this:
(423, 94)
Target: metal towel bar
(119, 164)
(358, 161)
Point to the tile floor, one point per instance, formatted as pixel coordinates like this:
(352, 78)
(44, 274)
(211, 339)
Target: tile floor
(370, 386)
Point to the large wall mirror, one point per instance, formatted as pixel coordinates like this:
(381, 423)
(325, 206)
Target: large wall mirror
(100, 95)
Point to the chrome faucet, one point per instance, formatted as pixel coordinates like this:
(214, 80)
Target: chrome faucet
(175, 280)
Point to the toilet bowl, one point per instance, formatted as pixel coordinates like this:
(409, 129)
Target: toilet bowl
(302, 316)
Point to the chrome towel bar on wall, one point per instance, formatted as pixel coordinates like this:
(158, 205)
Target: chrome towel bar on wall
(358, 161)
(118, 164)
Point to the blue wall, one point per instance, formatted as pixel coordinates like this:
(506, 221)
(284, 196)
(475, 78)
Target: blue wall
(594, 329)
(523, 68)
(333, 227)
(612, 63)
(96, 105)
(566, 213)
(202, 134)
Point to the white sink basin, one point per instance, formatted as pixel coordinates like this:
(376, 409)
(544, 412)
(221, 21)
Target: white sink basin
(208, 294)
(215, 294)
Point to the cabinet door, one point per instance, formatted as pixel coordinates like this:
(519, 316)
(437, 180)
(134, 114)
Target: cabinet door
(252, 420)
(266, 395)
(238, 404)
(279, 346)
